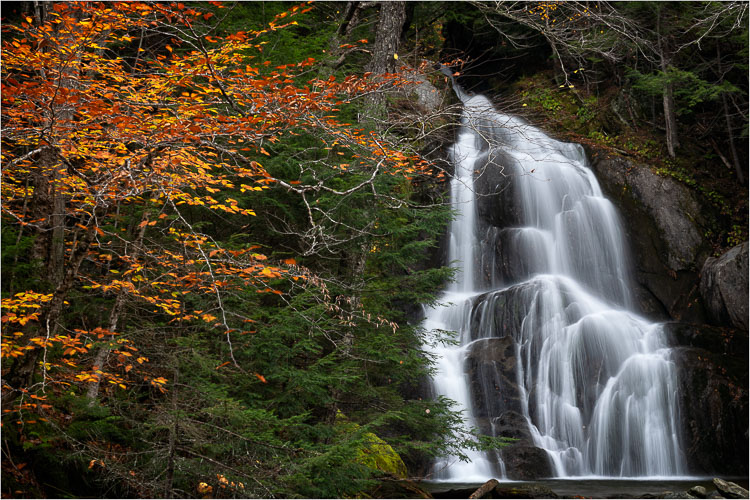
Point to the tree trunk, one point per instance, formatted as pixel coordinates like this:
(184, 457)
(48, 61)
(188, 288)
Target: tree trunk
(384, 53)
(173, 432)
(728, 119)
(670, 120)
(730, 136)
(101, 357)
(387, 37)
(21, 375)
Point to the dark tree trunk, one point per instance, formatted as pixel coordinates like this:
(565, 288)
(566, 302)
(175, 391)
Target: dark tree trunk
(387, 37)
(728, 119)
(384, 54)
(670, 120)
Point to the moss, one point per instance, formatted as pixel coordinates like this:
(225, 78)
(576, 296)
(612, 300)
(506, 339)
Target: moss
(375, 453)
(379, 455)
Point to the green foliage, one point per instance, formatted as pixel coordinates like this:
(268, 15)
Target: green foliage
(737, 235)
(690, 89)
(601, 138)
(545, 98)
(18, 270)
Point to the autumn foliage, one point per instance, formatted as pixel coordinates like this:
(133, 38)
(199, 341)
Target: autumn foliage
(102, 135)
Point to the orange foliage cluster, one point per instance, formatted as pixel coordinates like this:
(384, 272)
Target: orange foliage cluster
(154, 133)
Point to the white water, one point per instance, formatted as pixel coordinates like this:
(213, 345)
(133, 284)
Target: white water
(593, 380)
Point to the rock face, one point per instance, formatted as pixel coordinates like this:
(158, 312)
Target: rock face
(663, 220)
(713, 381)
(495, 189)
(491, 364)
(724, 283)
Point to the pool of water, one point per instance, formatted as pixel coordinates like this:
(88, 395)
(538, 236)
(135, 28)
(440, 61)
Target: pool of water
(595, 487)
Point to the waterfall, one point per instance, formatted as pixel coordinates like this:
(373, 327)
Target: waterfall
(544, 275)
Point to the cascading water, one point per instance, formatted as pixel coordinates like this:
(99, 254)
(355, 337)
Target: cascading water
(549, 277)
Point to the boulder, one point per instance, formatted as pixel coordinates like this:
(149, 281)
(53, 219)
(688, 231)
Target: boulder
(663, 224)
(724, 287)
(698, 491)
(513, 425)
(374, 453)
(678, 494)
(526, 463)
(379, 455)
(428, 96)
(729, 489)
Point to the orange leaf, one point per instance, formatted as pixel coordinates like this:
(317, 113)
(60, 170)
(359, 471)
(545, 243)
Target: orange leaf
(261, 378)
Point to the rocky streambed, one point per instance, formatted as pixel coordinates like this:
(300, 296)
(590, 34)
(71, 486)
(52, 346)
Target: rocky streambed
(593, 488)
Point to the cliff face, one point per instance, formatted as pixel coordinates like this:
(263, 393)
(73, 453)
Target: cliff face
(664, 226)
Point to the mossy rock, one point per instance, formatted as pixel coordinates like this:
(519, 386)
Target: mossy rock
(375, 453)
(379, 455)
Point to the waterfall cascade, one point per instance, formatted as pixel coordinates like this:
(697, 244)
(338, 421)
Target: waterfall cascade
(549, 276)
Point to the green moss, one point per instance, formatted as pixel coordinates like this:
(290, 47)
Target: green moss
(379, 455)
(374, 453)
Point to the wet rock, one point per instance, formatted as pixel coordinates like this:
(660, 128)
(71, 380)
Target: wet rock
(679, 494)
(713, 410)
(491, 368)
(526, 491)
(515, 254)
(496, 191)
(698, 491)
(716, 340)
(724, 287)
(729, 489)
(526, 463)
(500, 314)
(512, 424)
(663, 220)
